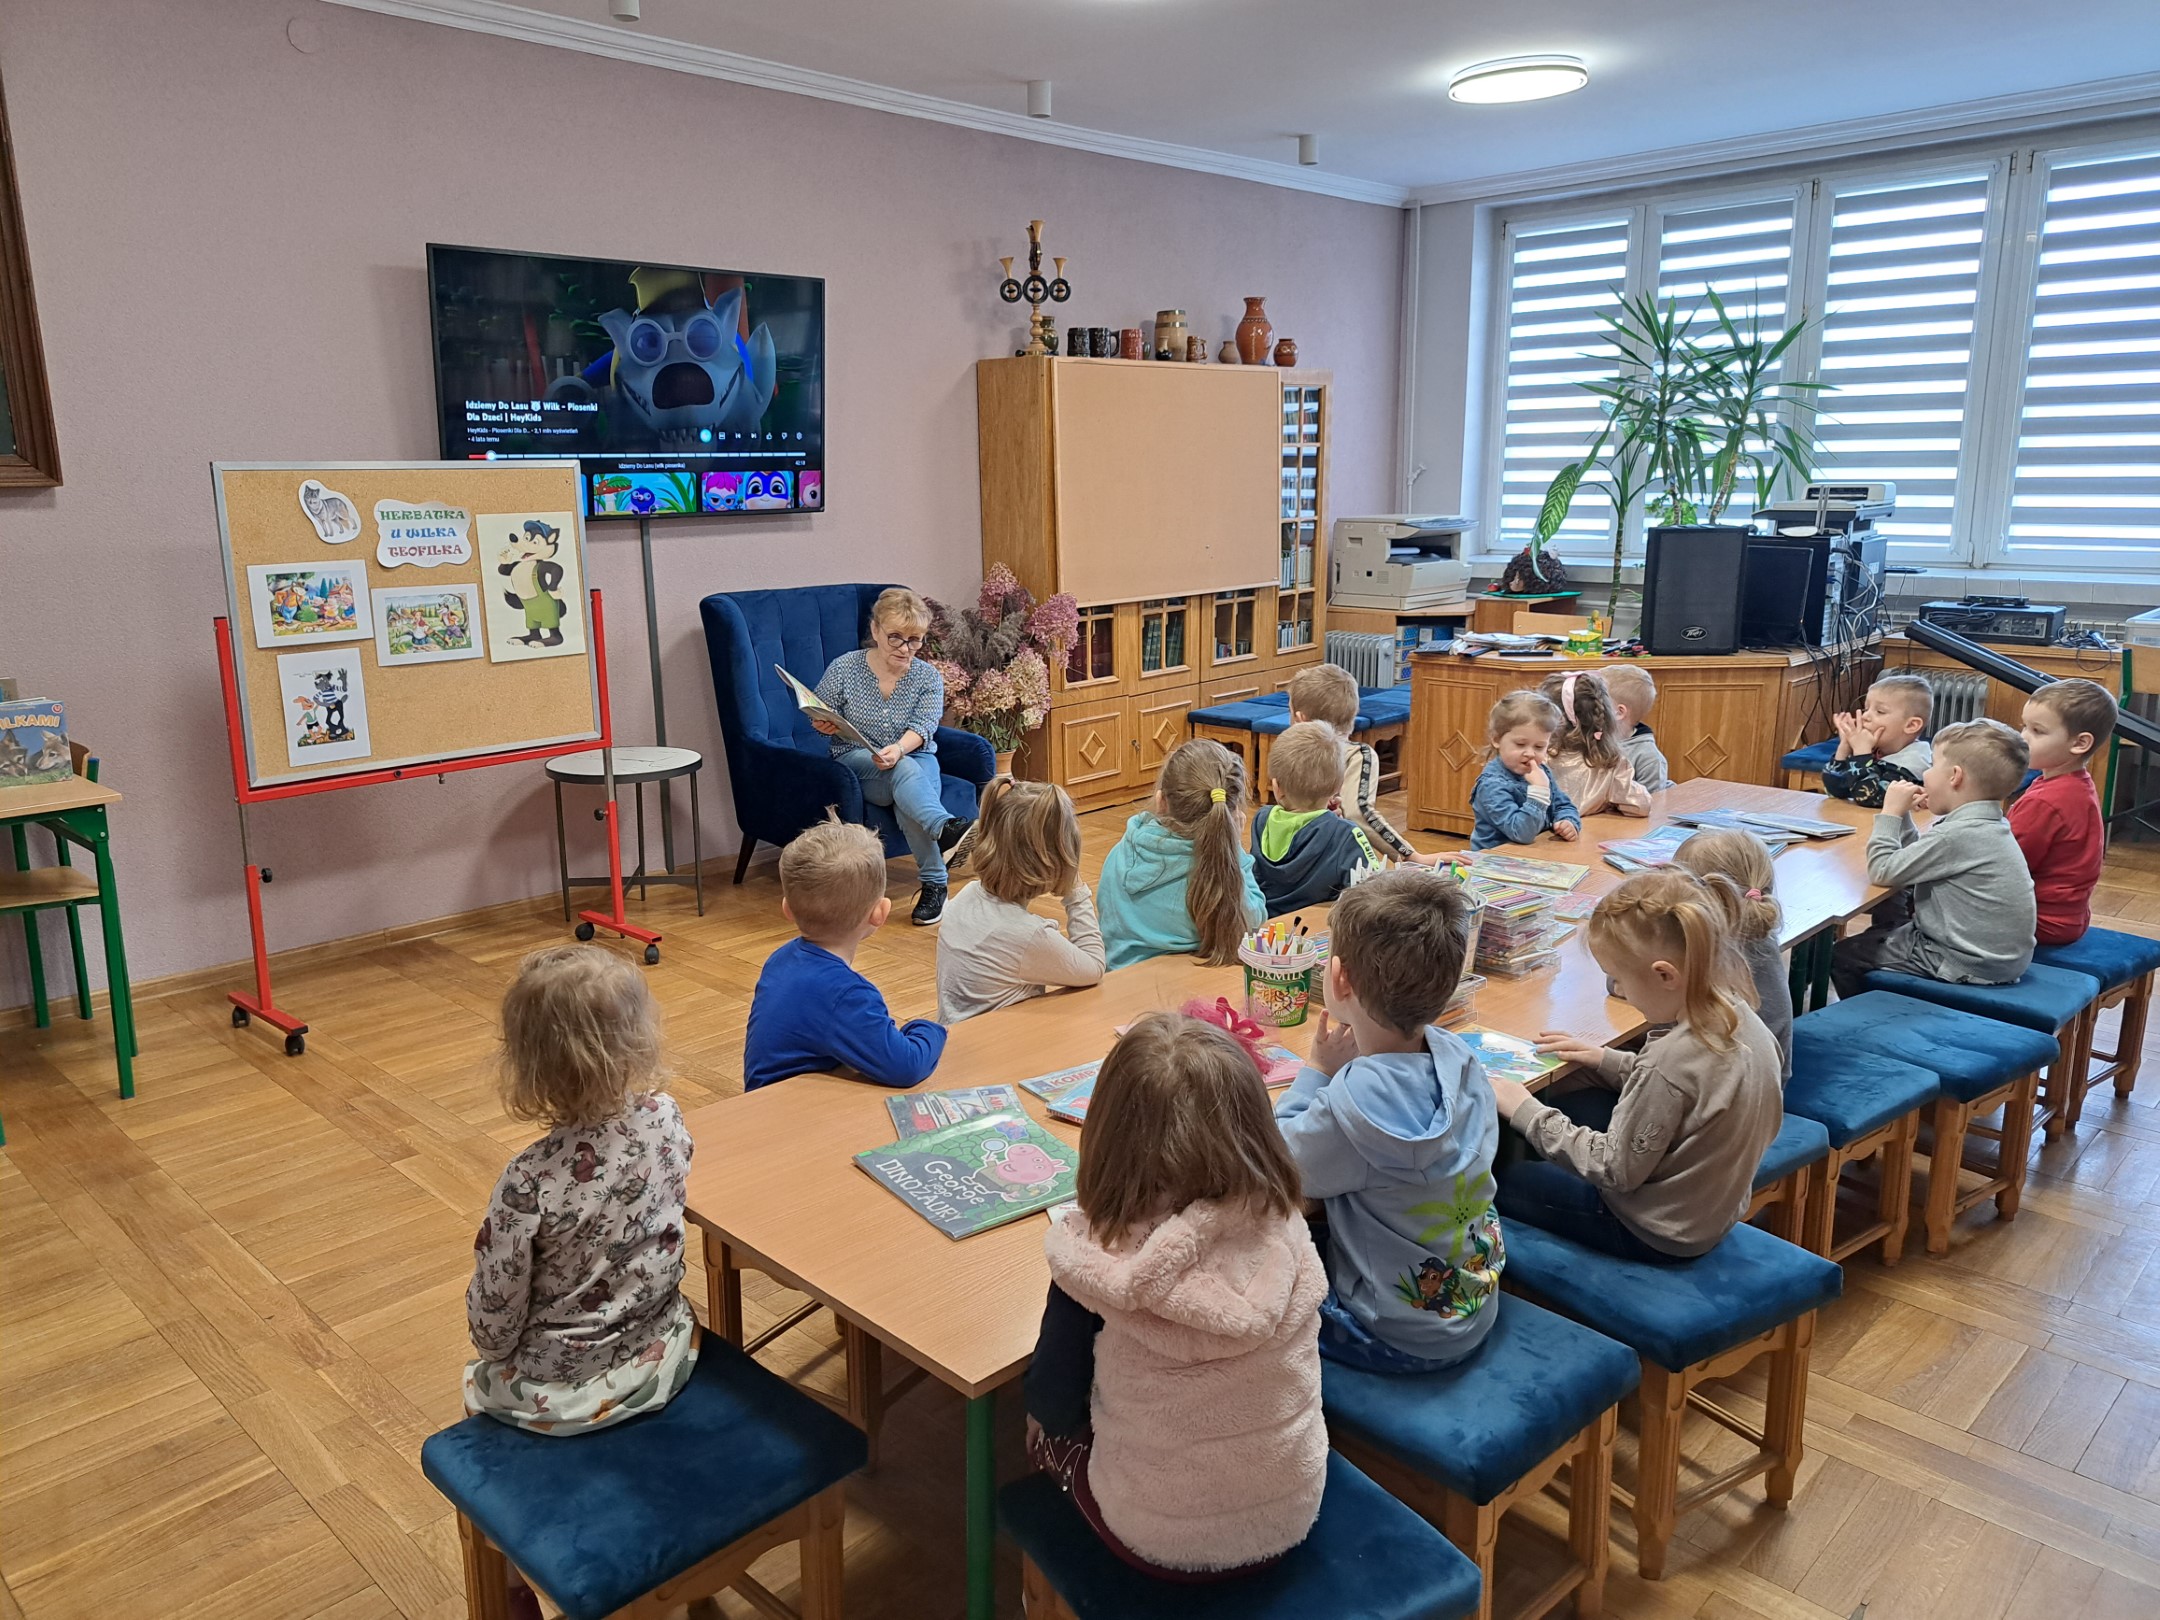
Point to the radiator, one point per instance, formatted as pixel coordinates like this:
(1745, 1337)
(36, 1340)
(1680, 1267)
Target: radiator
(1959, 697)
(1369, 656)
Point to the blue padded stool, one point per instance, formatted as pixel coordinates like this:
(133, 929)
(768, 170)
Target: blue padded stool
(1465, 1445)
(2052, 1000)
(1808, 761)
(1781, 1180)
(2124, 964)
(1752, 1296)
(1869, 1106)
(1981, 1065)
(1368, 1558)
(674, 1506)
(1249, 726)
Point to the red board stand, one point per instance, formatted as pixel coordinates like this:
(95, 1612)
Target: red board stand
(262, 1005)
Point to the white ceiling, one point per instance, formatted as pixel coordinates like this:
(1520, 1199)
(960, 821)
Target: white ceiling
(1242, 78)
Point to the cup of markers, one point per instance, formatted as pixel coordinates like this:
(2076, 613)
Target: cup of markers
(1282, 969)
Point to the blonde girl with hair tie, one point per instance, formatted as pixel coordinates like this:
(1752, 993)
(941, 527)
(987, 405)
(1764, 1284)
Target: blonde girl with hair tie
(1180, 880)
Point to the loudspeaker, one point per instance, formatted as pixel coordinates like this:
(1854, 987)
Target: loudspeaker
(1692, 581)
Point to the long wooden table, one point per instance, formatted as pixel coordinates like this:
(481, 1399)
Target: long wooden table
(774, 1187)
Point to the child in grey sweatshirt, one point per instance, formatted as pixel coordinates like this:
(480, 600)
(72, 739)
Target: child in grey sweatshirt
(1972, 896)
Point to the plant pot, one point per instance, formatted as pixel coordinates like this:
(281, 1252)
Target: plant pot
(1254, 333)
(1527, 575)
(1005, 761)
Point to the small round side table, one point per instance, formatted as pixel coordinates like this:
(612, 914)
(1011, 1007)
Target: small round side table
(636, 767)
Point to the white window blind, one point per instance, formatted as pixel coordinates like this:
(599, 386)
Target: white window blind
(1559, 278)
(1897, 343)
(2087, 485)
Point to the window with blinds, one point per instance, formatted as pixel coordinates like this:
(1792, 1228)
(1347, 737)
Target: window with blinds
(1897, 344)
(1559, 278)
(2086, 491)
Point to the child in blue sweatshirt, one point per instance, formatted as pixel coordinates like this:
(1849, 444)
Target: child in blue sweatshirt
(812, 1010)
(1304, 853)
(1393, 1128)
(1516, 797)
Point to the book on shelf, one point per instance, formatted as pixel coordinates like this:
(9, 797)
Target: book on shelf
(918, 1113)
(1506, 1057)
(1523, 869)
(979, 1174)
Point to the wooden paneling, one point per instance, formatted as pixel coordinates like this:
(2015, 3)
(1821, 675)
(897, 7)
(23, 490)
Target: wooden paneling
(1012, 438)
(1158, 727)
(1091, 747)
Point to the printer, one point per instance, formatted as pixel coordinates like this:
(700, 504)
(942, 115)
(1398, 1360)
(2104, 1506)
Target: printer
(1399, 563)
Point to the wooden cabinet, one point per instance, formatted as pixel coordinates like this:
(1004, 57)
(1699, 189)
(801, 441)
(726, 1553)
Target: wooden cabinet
(1731, 717)
(1169, 622)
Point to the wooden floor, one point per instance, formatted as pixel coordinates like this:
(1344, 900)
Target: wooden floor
(232, 1308)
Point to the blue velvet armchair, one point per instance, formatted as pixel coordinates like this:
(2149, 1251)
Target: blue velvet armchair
(782, 775)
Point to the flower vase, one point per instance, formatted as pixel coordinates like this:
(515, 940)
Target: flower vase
(1005, 761)
(1254, 333)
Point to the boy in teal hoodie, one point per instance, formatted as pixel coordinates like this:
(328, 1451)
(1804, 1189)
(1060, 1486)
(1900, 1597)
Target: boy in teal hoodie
(1393, 1128)
(1147, 890)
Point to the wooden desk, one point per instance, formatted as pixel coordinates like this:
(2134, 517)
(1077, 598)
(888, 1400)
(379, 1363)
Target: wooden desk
(1730, 717)
(774, 1185)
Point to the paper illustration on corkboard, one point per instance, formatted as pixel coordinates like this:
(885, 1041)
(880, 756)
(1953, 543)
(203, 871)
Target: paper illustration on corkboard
(421, 536)
(426, 624)
(325, 707)
(307, 604)
(529, 578)
(335, 517)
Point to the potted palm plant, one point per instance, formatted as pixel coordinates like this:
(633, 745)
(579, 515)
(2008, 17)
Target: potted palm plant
(1696, 405)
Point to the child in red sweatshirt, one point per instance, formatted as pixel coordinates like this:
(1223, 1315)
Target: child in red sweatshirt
(2057, 821)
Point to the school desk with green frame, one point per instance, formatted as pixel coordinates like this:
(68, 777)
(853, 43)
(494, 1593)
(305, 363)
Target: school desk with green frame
(73, 812)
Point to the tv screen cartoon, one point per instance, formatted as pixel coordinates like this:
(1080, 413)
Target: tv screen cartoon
(681, 390)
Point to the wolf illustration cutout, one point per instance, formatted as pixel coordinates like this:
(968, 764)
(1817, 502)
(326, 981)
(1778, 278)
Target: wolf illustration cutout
(527, 562)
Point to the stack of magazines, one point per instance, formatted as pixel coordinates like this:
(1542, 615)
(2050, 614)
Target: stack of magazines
(1650, 850)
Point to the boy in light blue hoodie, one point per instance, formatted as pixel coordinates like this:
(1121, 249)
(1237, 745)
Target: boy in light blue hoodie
(1393, 1129)
(1177, 883)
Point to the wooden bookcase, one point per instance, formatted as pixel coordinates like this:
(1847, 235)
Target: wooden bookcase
(1185, 506)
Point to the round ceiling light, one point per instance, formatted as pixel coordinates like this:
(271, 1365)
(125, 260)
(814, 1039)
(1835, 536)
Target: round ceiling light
(1518, 78)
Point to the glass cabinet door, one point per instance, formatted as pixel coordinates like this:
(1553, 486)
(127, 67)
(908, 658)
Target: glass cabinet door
(1094, 650)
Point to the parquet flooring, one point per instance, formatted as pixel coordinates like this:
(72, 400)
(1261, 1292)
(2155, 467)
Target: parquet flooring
(234, 1308)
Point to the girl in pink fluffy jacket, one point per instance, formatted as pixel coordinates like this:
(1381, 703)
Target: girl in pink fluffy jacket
(1175, 1390)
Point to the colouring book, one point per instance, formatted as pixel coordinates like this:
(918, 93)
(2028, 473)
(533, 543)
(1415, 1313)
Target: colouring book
(33, 743)
(1505, 1057)
(920, 1113)
(971, 1177)
(810, 703)
(1522, 869)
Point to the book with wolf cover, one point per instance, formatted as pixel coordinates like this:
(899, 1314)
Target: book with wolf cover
(33, 743)
(810, 703)
(970, 1177)
(919, 1113)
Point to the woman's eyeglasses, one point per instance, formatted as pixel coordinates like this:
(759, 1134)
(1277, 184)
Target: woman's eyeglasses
(902, 643)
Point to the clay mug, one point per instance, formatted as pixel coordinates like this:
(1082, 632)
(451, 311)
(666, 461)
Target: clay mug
(1195, 350)
(1102, 342)
(1128, 343)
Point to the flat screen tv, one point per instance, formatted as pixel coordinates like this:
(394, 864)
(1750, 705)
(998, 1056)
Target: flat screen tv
(682, 391)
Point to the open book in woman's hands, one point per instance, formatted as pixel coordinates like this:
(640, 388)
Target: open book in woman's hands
(810, 703)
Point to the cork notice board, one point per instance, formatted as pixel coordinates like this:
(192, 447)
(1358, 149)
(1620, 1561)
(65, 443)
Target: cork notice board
(348, 663)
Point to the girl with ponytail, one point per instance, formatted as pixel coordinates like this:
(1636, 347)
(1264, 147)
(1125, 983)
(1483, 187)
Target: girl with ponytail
(1654, 1159)
(1735, 865)
(992, 950)
(1586, 759)
(1180, 879)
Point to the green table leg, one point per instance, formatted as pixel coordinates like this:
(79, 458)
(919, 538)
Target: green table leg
(982, 1508)
(32, 946)
(74, 928)
(116, 971)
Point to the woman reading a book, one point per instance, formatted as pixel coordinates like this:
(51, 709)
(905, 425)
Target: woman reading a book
(893, 700)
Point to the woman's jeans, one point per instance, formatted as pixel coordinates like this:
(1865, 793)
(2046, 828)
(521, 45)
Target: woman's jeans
(911, 789)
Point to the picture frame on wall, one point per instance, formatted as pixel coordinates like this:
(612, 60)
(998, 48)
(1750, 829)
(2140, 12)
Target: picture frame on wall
(29, 446)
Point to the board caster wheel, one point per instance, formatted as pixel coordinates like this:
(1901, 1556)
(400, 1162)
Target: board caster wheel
(583, 930)
(240, 1018)
(652, 955)
(295, 1044)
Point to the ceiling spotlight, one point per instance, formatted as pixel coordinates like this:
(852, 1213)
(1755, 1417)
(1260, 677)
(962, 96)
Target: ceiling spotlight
(623, 10)
(1308, 150)
(1518, 78)
(1038, 98)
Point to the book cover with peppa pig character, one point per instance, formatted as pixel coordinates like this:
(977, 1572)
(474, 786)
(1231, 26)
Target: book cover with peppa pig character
(974, 1176)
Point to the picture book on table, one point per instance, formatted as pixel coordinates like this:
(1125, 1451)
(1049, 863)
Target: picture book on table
(33, 743)
(920, 1113)
(1651, 850)
(1049, 1087)
(1505, 1057)
(970, 1177)
(1522, 869)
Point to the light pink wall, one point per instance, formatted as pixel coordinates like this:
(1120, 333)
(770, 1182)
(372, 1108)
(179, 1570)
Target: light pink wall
(227, 237)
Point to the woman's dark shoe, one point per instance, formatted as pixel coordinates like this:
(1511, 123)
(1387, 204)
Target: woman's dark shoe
(929, 905)
(956, 840)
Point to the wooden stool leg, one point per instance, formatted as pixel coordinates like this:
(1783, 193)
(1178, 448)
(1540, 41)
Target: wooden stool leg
(821, 1546)
(1785, 1408)
(1038, 1598)
(865, 1384)
(487, 1574)
(2130, 1041)
(1657, 1484)
(1590, 1512)
(1896, 1201)
(1822, 1176)
(1474, 1530)
(2016, 1146)
(1951, 1118)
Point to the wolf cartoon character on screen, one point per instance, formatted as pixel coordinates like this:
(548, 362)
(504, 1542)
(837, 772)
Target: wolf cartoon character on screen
(680, 366)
